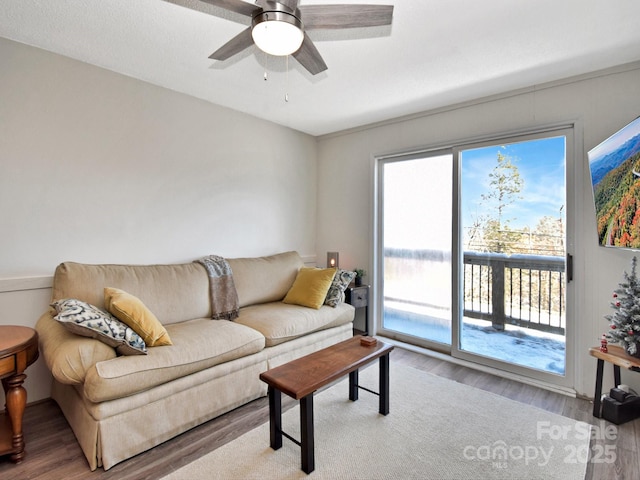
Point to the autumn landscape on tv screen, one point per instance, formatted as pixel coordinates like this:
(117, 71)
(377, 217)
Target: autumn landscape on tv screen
(615, 175)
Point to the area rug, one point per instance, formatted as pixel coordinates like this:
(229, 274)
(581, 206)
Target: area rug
(436, 429)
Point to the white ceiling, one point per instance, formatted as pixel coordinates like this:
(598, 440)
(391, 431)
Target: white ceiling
(436, 53)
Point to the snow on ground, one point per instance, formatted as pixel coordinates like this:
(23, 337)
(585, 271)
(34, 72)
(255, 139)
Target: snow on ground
(521, 346)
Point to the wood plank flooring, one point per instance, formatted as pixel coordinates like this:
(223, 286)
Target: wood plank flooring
(53, 453)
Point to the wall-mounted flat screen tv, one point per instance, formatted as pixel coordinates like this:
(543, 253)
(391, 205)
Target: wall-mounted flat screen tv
(615, 176)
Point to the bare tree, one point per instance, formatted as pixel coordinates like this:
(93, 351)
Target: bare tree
(506, 184)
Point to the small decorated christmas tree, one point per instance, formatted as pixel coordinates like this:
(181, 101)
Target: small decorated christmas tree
(625, 320)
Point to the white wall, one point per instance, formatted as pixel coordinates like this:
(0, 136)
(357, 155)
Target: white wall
(598, 105)
(98, 167)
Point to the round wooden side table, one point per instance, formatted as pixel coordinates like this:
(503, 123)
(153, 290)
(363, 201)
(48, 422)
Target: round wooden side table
(18, 350)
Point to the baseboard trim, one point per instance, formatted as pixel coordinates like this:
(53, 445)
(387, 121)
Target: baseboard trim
(25, 283)
(309, 260)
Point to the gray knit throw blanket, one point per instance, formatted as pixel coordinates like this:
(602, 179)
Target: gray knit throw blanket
(224, 297)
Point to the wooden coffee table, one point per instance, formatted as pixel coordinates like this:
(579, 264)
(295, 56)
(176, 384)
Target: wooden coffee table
(302, 377)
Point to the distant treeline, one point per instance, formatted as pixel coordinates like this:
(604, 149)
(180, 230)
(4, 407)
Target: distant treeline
(617, 199)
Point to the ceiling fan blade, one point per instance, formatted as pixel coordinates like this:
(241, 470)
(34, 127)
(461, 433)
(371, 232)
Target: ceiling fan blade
(292, 4)
(309, 57)
(233, 46)
(237, 6)
(345, 16)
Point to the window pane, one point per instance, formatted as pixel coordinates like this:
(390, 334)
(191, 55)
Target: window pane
(417, 225)
(513, 226)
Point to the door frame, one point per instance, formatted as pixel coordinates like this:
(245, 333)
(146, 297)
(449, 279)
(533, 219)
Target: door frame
(378, 279)
(573, 170)
(568, 379)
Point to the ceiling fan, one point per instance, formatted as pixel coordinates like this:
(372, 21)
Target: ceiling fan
(279, 27)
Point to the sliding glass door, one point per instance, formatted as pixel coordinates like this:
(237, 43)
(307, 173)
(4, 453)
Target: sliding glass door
(471, 252)
(416, 247)
(512, 236)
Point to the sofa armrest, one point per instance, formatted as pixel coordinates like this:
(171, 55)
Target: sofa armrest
(69, 356)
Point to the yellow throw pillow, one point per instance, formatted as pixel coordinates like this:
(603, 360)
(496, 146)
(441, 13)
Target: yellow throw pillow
(310, 287)
(135, 314)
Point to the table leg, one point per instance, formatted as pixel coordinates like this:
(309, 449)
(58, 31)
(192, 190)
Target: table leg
(384, 385)
(306, 430)
(616, 375)
(353, 385)
(598, 392)
(16, 401)
(366, 319)
(275, 417)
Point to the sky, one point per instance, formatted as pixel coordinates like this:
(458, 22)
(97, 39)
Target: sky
(418, 193)
(417, 203)
(541, 164)
(615, 141)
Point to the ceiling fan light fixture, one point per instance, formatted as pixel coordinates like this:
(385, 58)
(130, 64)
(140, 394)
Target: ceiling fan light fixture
(277, 33)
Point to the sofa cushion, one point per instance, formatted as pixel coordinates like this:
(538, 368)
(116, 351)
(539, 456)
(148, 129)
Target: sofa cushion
(280, 322)
(264, 279)
(310, 287)
(341, 281)
(174, 293)
(197, 345)
(130, 310)
(87, 320)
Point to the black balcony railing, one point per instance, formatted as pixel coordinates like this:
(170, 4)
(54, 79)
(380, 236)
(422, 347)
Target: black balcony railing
(523, 290)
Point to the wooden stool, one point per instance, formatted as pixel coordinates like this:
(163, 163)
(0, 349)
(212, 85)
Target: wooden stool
(619, 358)
(18, 350)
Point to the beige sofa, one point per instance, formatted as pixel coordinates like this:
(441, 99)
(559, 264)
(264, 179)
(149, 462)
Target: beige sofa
(119, 406)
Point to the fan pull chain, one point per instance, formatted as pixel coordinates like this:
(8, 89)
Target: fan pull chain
(286, 93)
(266, 57)
(266, 66)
